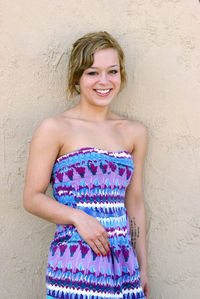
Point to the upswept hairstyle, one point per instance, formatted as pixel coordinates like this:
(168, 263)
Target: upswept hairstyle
(82, 57)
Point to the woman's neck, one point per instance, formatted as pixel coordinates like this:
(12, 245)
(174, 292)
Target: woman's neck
(92, 112)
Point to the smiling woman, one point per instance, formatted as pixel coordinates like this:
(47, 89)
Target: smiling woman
(82, 57)
(103, 78)
(93, 158)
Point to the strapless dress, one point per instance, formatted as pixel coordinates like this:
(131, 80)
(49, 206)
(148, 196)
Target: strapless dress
(94, 181)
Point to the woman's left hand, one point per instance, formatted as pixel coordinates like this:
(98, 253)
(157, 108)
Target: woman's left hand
(145, 283)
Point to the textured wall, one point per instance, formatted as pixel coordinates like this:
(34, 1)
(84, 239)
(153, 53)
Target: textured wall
(161, 39)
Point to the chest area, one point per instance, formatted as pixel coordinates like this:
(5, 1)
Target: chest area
(93, 167)
(100, 135)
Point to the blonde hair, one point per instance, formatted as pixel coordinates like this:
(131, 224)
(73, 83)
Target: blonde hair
(82, 57)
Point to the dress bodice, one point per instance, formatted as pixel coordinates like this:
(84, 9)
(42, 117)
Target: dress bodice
(80, 177)
(95, 181)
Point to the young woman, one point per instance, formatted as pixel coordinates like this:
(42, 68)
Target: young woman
(93, 158)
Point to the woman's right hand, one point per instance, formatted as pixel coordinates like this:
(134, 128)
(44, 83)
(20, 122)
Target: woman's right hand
(93, 233)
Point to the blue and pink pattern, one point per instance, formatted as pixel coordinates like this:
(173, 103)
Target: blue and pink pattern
(94, 181)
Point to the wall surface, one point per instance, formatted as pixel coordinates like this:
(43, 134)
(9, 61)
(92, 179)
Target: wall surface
(161, 40)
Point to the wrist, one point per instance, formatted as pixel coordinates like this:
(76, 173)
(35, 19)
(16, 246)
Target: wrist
(75, 216)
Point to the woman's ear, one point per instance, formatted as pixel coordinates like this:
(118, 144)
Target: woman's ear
(77, 87)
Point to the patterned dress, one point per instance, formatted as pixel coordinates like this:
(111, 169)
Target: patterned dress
(94, 181)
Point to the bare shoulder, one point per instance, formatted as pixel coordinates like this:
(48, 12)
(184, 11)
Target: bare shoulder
(50, 126)
(133, 125)
(137, 132)
(46, 136)
(46, 142)
(136, 127)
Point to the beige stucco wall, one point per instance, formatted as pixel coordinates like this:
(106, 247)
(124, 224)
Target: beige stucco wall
(161, 39)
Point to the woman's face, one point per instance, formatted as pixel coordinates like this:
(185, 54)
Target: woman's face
(100, 83)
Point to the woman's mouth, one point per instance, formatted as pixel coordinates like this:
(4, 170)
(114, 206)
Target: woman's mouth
(102, 92)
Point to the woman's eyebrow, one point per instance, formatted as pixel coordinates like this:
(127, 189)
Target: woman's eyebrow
(95, 67)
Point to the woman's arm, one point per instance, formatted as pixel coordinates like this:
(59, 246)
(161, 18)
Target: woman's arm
(44, 148)
(135, 205)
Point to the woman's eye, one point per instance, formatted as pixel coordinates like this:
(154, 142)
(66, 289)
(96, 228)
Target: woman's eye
(114, 71)
(92, 73)
(95, 73)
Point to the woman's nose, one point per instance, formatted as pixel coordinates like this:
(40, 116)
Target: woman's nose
(103, 78)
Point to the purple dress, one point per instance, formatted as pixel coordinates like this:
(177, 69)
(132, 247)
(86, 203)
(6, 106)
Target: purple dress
(95, 181)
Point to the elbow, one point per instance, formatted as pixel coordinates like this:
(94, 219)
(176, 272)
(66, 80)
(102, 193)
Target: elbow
(27, 202)
(135, 200)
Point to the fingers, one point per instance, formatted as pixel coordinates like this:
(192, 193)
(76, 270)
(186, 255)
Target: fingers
(100, 248)
(94, 248)
(100, 244)
(105, 235)
(94, 234)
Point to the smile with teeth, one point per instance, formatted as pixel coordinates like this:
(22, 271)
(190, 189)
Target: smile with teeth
(103, 91)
